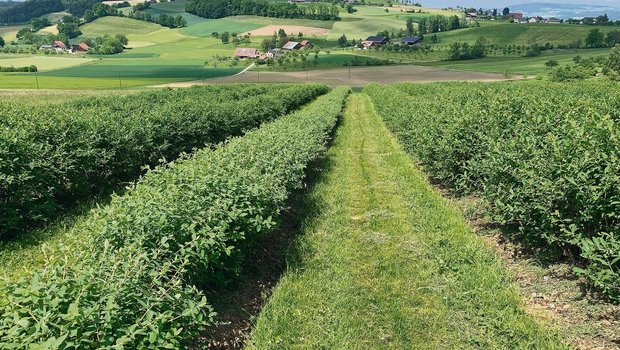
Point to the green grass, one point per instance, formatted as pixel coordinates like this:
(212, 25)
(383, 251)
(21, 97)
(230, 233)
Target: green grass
(204, 29)
(520, 34)
(8, 33)
(43, 63)
(385, 263)
(517, 65)
(29, 81)
(118, 25)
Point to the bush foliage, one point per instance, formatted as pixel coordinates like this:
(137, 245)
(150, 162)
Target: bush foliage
(55, 155)
(544, 156)
(136, 281)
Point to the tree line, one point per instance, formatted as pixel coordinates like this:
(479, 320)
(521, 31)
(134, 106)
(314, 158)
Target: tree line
(225, 8)
(21, 12)
(439, 23)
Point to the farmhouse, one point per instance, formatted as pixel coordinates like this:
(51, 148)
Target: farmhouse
(375, 40)
(81, 47)
(57, 45)
(297, 45)
(411, 40)
(246, 53)
(515, 15)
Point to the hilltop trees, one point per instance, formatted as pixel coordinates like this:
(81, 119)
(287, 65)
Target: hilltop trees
(224, 8)
(25, 11)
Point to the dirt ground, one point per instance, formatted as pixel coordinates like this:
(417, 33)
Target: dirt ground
(358, 76)
(269, 30)
(551, 292)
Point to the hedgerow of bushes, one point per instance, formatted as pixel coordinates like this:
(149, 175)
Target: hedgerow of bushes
(544, 156)
(136, 281)
(54, 155)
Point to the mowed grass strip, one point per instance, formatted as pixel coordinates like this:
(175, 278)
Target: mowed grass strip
(385, 263)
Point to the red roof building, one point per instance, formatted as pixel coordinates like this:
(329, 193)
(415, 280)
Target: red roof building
(515, 15)
(82, 47)
(59, 44)
(246, 53)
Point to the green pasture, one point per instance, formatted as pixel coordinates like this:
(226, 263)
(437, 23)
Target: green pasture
(204, 29)
(118, 25)
(43, 63)
(8, 33)
(55, 17)
(266, 21)
(521, 34)
(517, 65)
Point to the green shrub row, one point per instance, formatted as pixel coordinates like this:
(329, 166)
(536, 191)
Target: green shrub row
(53, 156)
(544, 156)
(136, 281)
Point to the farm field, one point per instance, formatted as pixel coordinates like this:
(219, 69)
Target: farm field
(359, 76)
(385, 263)
(379, 258)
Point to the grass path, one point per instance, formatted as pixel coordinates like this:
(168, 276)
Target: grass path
(386, 263)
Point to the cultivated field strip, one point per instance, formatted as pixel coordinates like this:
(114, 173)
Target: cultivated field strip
(544, 156)
(384, 262)
(54, 156)
(134, 276)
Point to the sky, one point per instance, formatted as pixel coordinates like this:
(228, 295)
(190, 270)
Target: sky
(504, 3)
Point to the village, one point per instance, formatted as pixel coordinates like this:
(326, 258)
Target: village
(370, 42)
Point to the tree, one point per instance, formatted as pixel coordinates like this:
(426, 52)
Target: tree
(551, 63)
(342, 41)
(225, 37)
(69, 27)
(613, 38)
(505, 11)
(38, 23)
(494, 12)
(410, 27)
(1, 42)
(350, 8)
(613, 62)
(595, 38)
(281, 33)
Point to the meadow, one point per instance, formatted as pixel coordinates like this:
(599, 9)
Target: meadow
(158, 55)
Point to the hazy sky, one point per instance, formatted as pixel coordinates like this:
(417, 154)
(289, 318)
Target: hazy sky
(504, 3)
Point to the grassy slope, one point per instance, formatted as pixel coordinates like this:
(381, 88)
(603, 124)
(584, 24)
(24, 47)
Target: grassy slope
(520, 34)
(43, 63)
(518, 65)
(386, 263)
(117, 25)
